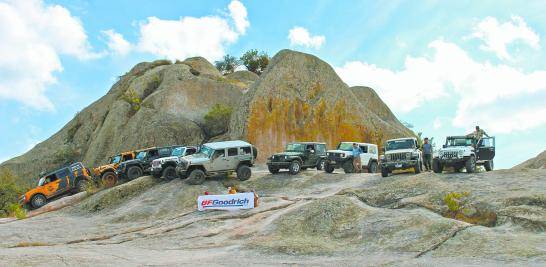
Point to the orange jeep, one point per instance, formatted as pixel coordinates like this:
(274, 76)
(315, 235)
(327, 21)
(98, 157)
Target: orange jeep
(69, 179)
(107, 173)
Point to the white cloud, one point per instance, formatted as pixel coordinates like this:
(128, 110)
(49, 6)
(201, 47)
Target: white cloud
(300, 36)
(238, 12)
(116, 43)
(33, 36)
(497, 36)
(498, 97)
(437, 124)
(190, 36)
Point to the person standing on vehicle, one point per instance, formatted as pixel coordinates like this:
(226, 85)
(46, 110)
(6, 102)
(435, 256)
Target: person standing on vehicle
(478, 135)
(356, 158)
(427, 154)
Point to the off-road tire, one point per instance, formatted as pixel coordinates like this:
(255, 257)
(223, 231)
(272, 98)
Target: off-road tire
(373, 167)
(38, 201)
(196, 177)
(82, 185)
(321, 165)
(470, 164)
(384, 172)
(348, 166)
(109, 179)
(134, 172)
(295, 167)
(437, 166)
(417, 167)
(329, 168)
(169, 173)
(272, 170)
(243, 172)
(488, 165)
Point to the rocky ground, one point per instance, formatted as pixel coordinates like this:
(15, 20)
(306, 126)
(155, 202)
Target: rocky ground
(310, 219)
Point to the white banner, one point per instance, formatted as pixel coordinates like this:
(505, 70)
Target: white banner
(226, 202)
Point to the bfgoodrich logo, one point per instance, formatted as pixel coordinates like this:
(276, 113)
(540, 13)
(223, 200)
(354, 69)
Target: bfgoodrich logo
(235, 202)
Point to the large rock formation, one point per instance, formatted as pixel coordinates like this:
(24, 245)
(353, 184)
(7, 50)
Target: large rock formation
(300, 98)
(154, 104)
(538, 162)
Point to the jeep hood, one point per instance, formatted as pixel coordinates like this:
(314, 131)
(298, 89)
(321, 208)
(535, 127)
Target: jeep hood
(339, 151)
(456, 148)
(195, 159)
(172, 158)
(408, 150)
(289, 154)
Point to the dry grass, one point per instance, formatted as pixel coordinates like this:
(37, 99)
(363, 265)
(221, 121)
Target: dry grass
(30, 244)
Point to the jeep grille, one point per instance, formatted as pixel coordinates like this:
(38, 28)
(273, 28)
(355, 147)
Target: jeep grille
(277, 158)
(396, 156)
(334, 155)
(155, 164)
(183, 165)
(449, 155)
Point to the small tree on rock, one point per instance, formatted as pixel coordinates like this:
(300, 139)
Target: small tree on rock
(254, 61)
(228, 64)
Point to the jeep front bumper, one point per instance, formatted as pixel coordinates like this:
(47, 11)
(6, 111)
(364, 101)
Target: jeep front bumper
(279, 164)
(452, 161)
(156, 171)
(398, 165)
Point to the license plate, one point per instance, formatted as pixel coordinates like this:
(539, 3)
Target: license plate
(398, 165)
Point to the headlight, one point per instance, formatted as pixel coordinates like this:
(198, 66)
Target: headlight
(285, 157)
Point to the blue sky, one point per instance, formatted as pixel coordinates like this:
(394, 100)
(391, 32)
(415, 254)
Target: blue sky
(443, 66)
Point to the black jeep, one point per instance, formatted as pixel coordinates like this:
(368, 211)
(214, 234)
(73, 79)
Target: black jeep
(299, 156)
(142, 163)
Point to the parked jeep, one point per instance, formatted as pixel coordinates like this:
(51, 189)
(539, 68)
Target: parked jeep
(298, 156)
(342, 157)
(462, 152)
(166, 166)
(68, 179)
(402, 153)
(107, 173)
(218, 158)
(141, 164)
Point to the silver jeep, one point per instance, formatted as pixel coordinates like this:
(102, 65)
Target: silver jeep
(218, 158)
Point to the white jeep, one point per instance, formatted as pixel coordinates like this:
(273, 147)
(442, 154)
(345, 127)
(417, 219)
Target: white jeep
(401, 153)
(465, 152)
(342, 157)
(218, 158)
(166, 167)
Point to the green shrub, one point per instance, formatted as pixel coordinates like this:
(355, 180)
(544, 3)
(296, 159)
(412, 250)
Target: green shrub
(14, 210)
(131, 97)
(217, 119)
(9, 193)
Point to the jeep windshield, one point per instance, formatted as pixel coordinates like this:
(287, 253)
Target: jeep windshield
(141, 155)
(115, 159)
(179, 151)
(41, 181)
(462, 141)
(400, 144)
(204, 152)
(345, 146)
(295, 148)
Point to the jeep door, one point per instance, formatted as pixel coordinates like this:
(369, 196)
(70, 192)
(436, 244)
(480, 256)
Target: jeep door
(311, 156)
(232, 159)
(486, 149)
(365, 155)
(218, 161)
(57, 183)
